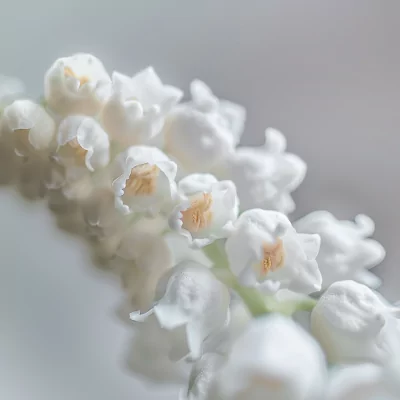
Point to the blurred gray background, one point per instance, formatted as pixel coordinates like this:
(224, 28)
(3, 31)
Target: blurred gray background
(326, 73)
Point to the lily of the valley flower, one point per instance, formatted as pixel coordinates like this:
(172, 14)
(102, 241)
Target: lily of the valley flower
(135, 112)
(143, 180)
(82, 143)
(207, 209)
(354, 324)
(33, 128)
(229, 115)
(78, 84)
(345, 252)
(274, 359)
(198, 142)
(364, 382)
(190, 296)
(265, 176)
(265, 250)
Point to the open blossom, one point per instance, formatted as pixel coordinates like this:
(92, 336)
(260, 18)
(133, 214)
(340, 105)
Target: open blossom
(190, 296)
(207, 209)
(78, 84)
(33, 128)
(364, 382)
(265, 250)
(82, 148)
(345, 252)
(266, 175)
(135, 112)
(354, 324)
(274, 359)
(229, 115)
(143, 180)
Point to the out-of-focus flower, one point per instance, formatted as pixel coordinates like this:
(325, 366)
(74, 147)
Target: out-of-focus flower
(264, 250)
(78, 84)
(201, 377)
(345, 252)
(82, 148)
(207, 209)
(143, 180)
(145, 258)
(135, 112)
(33, 128)
(364, 382)
(195, 140)
(190, 296)
(155, 353)
(274, 359)
(354, 324)
(10, 89)
(227, 114)
(265, 176)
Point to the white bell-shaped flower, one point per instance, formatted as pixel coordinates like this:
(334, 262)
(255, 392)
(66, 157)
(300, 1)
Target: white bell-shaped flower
(143, 180)
(266, 175)
(135, 112)
(345, 251)
(33, 128)
(78, 84)
(265, 250)
(197, 141)
(363, 382)
(206, 210)
(82, 142)
(274, 359)
(190, 296)
(354, 324)
(229, 115)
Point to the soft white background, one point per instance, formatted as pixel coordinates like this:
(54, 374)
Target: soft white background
(324, 72)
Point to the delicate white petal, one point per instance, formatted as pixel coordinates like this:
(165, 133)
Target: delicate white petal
(354, 324)
(345, 251)
(274, 359)
(78, 84)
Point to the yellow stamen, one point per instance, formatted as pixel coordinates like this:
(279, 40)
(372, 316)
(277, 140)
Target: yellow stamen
(273, 257)
(79, 151)
(198, 215)
(82, 79)
(142, 180)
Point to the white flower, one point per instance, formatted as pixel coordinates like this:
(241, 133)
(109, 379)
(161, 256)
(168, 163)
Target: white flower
(354, 324)
(265, 176)
(190, 296)
(135, 112)
(345, 252)
(207, 209)
(155, 353)
(143, 180)
(229, 115)
(32, 126)
(274, 359)
(82, 143)
(77, 85)
(265, 250)
(202, 376)
(197, 141)
(146, 257)
(364, 382)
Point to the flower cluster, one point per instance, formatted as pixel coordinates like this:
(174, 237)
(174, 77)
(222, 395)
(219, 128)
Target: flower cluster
(196, 228)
